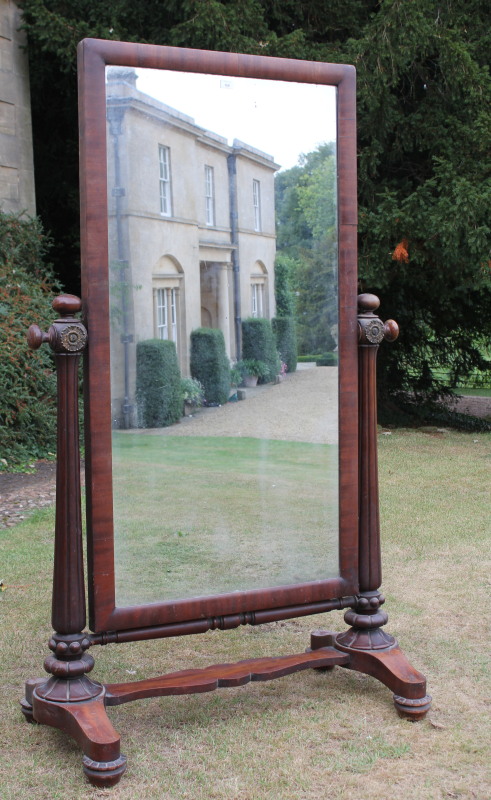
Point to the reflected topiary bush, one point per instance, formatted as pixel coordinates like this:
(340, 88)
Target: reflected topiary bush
(259, 343)
(210, 365)
(158, 384)
(286, 341)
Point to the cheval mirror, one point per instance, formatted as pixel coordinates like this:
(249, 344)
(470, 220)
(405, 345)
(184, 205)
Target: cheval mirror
(263, 506)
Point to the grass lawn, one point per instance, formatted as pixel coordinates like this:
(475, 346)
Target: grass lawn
(473, 392)
(306, 736)
(251, 512)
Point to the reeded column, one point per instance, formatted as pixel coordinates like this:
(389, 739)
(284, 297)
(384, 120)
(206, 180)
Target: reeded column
(67, 338)
(367, 618)
(69, 700)
(372, 650)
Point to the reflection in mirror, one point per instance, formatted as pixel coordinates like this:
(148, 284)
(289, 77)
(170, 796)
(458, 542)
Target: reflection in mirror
(223, 253)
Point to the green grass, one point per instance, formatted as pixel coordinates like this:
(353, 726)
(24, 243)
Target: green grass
(474, 392)
(251, 512)
(306, 736)
(476, 380)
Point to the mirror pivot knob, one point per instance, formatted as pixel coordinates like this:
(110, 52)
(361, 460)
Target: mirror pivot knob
(36, 337)
(391, 330)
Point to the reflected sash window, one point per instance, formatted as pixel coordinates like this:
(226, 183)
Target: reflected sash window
(256, 300)
(165, 181)
(256, 199)
(173, 314)
(166, 307)
(162, 326)
(209, 196)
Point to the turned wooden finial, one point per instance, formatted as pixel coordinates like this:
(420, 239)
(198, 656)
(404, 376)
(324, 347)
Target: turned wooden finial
(368, 303)
(67, 304)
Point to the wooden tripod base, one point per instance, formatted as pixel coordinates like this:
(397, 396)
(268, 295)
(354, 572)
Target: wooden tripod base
(87, 722)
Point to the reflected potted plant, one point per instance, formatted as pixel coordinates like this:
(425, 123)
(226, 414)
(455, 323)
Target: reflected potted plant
(252, 370)
(193, 395)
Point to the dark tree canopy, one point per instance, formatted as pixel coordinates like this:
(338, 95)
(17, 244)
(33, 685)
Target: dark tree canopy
(424, 130)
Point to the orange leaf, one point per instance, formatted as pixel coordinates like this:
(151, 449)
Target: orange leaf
(400, 253)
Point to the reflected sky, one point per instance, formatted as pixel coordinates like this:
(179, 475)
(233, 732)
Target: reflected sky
(242, 108)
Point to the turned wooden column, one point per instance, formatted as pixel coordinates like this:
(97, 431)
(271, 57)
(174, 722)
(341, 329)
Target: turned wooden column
(372, 650)
(371, 332)
(67, 338)
(367, 618)
(69, 700)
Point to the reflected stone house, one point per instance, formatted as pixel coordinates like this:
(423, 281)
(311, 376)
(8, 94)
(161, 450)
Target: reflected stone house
(191, 230)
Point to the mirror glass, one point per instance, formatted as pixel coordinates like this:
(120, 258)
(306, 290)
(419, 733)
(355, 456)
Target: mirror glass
(222, 208)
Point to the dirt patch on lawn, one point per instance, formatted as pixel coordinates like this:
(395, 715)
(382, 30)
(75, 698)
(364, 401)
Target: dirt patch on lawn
(21, 493)
(474, 406)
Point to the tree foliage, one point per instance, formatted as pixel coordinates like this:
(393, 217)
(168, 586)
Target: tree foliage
(424, 184)
(27, 378)
(284, 269)
(424, 128)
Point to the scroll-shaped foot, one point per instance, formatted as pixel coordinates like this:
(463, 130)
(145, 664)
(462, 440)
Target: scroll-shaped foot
(87, 722)
(376, 653)
(392, 668)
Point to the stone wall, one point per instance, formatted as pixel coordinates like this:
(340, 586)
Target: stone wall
(16, 158)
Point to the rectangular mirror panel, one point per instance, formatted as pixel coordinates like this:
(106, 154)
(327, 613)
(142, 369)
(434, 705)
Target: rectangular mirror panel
(219, 189)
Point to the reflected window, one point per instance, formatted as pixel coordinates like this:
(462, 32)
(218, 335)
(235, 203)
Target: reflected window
(256, 199)
(173, 315)
(166, 308)
(257, 304)
(209, 195)
(162, 326)
(165, 181)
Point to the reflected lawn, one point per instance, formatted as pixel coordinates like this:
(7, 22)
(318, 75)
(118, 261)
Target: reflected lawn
(205, 515)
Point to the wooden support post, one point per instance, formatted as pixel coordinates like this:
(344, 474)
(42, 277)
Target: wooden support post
(69, 700)
(373, 650)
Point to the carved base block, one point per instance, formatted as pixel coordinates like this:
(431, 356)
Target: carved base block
(319, 639)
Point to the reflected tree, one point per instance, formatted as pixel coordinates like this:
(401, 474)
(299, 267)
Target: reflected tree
(307, 239)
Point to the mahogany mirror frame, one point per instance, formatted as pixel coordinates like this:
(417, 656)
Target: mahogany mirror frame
(287, 601)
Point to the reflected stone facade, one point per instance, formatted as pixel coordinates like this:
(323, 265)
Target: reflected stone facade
(191, 229)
